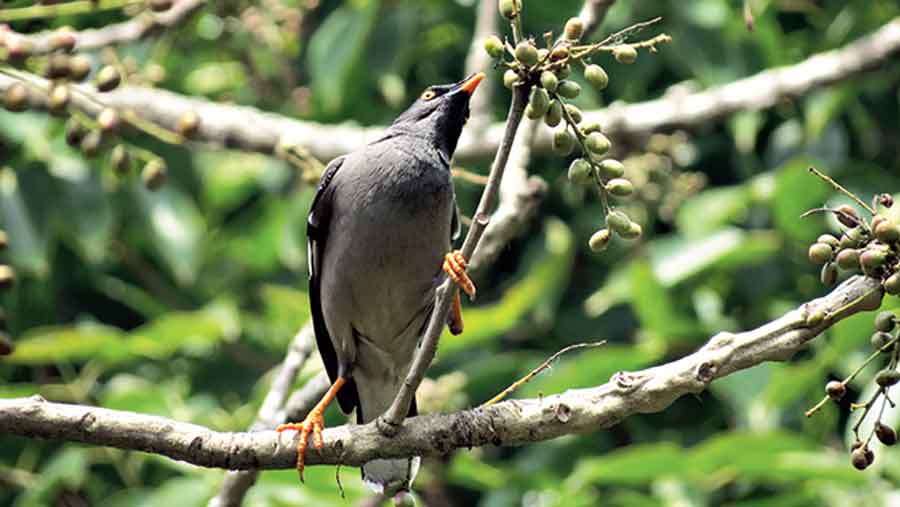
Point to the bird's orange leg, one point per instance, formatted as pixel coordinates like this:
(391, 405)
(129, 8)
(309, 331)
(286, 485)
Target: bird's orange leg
(314, 423)
(455, 320)
(455, 267)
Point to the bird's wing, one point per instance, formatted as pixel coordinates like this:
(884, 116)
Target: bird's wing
(317, 227)
(455, 224)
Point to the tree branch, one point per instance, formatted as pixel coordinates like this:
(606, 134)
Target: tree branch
(508, 423)
(134, 29)
(250, 129)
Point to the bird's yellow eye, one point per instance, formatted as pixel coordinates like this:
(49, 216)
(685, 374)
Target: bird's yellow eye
(428, 95)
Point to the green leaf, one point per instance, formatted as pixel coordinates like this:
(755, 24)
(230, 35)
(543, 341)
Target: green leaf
(177, 229)
(634, 465)
(659, 312)
(711, 209)
(796, 192)
(28, 235)
(79, 343)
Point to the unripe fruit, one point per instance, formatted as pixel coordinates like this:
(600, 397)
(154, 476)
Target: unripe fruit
(886, 200)
(596, 76)
(830, 240)
(625, 54)
(563, 142)
(554, 114)
(574, 113)
(880, 339)
(559, 53)
(58, 101)
(16, 98)
(829, 274)
(620, 187)
(589, 127)
(7, 276)
(600, 240)
(108, 78)
(510, 78)
(892, 284)
(848, 259)
(597, 143)
(79, 68)
(526, 53)
(120, 160)
(618, 221)
(579, 171)
(634, 231)
(493, 46)
(885, 321)
(74, 132)
(154, 174)
(108, 119)
(610, 168)
(847, 215)
(568, 89)
(58, 66)
(887, 232)
(835, 390)
(887, 378)
(564, 72)
(549, 81)
(160, 5)
(543, 54)
(539, 102)
(507, 8)
(18, 49)
(188, 124)
(859, 458)
(62, 40)
(885, 434)
(574, 29)
(90, 145)
(872, 259)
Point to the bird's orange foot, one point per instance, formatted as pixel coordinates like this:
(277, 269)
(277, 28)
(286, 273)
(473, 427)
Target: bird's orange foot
(314, 423)
(455, 267)
(455, 320)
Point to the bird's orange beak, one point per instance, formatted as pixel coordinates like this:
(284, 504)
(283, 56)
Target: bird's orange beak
(471, 83)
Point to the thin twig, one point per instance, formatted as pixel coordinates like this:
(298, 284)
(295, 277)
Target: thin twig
(535, 372)
(838, 187)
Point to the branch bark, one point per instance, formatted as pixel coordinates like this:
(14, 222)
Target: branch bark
(250, 129)
(508, 423)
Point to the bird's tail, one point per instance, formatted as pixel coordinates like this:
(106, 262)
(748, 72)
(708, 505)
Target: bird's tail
(384, 476)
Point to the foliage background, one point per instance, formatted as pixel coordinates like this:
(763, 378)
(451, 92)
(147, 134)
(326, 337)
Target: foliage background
(179, 302)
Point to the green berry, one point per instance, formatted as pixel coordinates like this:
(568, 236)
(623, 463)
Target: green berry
(526, 53)
(90, 145)
(828, 239)
(58, 100)
(554, 114)
(829, 274)
(559, 53)
(600, 240)
(580, 171)
(188, 124)
(625, 54)
(564, 72)
(819, 253)
(634, 231)
(880, 339)
(847, 215)
(887, 232)
(108, 78)
(494, 46)
(549, 81)
(848, 259)
(589, 127)
(620, 187)
(7, 276)
(887, 378)
(58, 66)
(574, 29)
(563, 142)
(108, 119)
(79, 68)
(885, 321)
(892, 284)
(539, 102)
(507, 8)
(120, 160)
(610, 169)
(510, 78)
(596, 76)
(16, 98)
(574, 113)
(860, 458)
(154, 174)
(597, 143)
(835, 390)
(74, 132)
(568, 89)
(872, 259)
(618, 221)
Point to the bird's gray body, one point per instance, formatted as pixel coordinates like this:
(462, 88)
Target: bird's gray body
(392, 213)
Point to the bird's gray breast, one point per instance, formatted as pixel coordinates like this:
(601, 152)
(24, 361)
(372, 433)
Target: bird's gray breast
(389, 233)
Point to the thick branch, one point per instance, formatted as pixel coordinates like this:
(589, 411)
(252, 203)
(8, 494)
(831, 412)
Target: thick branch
(507, 423)
(131, 30)
(247, 128)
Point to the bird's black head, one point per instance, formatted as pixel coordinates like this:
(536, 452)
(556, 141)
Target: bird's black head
(439, 114)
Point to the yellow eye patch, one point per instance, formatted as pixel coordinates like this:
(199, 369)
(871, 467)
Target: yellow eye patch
(428, 95)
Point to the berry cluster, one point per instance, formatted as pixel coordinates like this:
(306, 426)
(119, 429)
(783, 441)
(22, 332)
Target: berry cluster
(547, 71)
(90, 126)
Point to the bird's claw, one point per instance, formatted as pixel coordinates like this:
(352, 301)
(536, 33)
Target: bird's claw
(455, 267)
(314, 423)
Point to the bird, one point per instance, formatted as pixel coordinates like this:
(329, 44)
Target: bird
(379, 235)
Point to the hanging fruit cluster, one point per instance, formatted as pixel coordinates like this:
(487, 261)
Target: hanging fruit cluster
(91, 126)
(546, 71)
